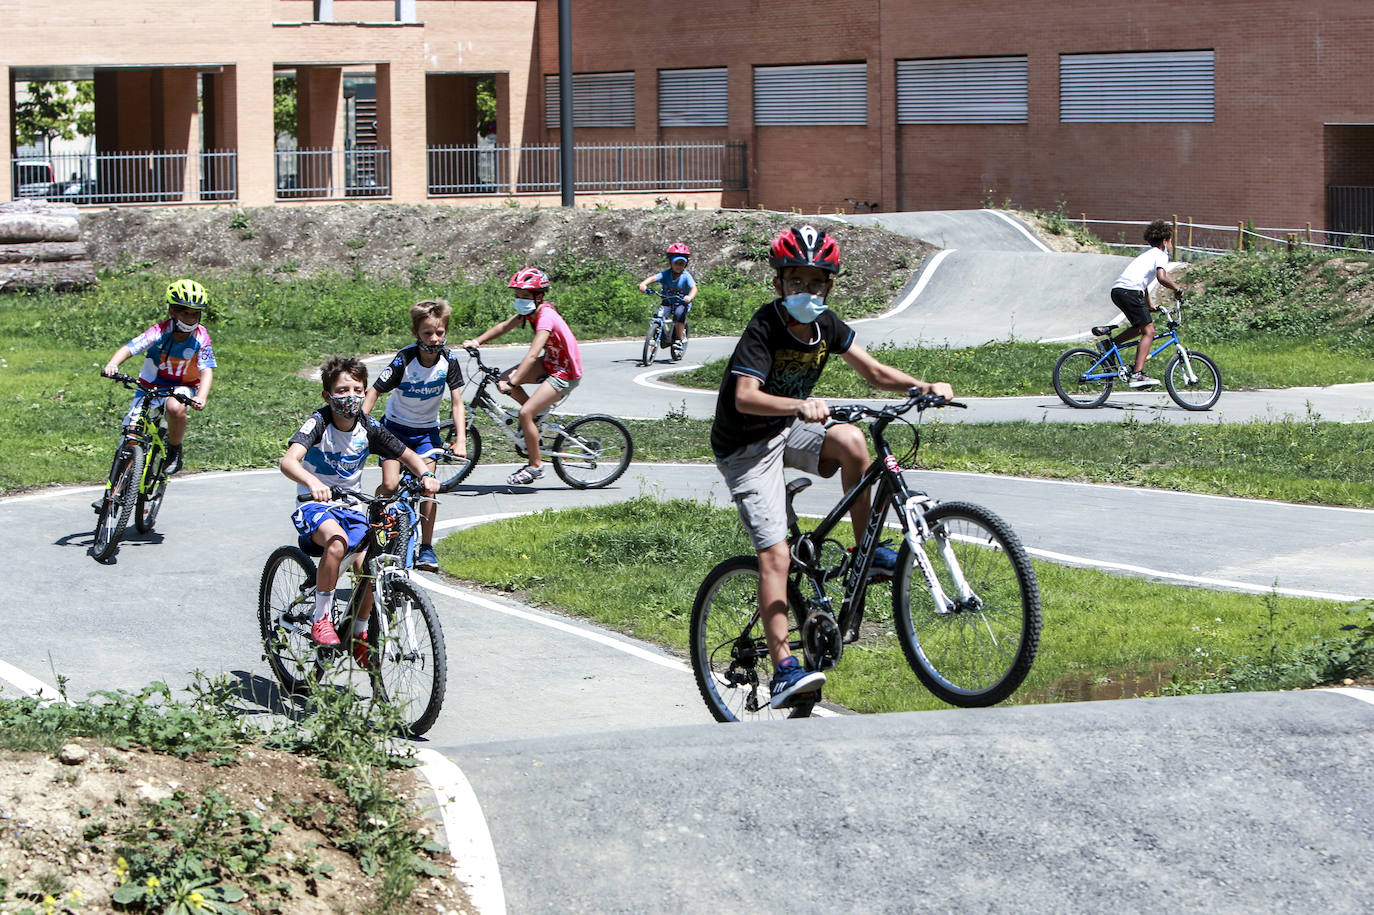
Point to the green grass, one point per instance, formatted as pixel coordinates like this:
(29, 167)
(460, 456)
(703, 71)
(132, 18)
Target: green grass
(606, 565)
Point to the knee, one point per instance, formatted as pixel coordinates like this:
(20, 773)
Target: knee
(335, 548)
(846, 445)
(176, 409)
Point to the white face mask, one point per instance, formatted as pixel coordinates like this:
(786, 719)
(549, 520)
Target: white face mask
(185, 328)
(804, 307)
(524, 306)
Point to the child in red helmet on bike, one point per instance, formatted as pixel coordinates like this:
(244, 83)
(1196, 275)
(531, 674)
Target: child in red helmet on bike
(678, 283)
(557, 373)
(766, 419)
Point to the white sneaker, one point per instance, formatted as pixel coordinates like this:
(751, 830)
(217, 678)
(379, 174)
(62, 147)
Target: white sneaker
(1141, 380)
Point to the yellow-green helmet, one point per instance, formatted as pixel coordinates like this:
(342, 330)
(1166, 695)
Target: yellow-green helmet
(187, 294)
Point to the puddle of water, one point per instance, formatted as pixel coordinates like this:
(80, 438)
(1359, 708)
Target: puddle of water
(1125, 684)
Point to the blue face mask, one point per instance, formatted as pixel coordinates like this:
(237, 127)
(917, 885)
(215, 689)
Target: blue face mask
(524, 306)
(804, 307)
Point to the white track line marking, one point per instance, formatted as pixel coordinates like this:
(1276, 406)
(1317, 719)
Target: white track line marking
(29, 685)
(916, 290)
(1020, 228)
(469, 840)
(1364, 695)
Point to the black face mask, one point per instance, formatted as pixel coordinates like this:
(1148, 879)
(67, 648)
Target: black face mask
(431, 348)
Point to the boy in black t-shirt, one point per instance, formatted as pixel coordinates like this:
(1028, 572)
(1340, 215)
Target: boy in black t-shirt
(766, 419)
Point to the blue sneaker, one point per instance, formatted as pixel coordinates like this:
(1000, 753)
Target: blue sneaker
(884, 563)
(426, 561)
(791, 681)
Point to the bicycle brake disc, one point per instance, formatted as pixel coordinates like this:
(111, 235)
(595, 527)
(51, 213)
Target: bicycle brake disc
(822, 643)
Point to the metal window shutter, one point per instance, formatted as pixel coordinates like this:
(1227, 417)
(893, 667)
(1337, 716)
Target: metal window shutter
(974, 90)
(1137, 87)
(693, 98)
(599, 100)
(818, 94)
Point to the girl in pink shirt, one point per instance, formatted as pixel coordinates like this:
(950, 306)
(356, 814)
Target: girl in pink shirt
(554, 362)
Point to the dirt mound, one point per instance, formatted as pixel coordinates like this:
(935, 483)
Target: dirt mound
(408, 243)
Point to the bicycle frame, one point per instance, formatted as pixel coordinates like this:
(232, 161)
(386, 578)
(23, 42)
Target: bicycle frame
(1104, 370)
(507, 419)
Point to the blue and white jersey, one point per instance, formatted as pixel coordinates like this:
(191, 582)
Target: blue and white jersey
(419, 390)
(678, 285)
(336, 456)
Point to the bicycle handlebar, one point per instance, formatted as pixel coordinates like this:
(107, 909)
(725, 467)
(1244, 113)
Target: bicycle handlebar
(848, 413)
(410, 486)
(159, 390)
(482, 367)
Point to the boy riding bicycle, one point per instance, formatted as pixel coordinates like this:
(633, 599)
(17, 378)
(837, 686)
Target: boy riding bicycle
(553, 361)
(179, 356)
(677, 283)
(330, 450)
(419, 376)
(1131, 294)
(766, 420)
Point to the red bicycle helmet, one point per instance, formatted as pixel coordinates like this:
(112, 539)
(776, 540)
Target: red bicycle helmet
(678, 249)
(804, 247)
(530, 278)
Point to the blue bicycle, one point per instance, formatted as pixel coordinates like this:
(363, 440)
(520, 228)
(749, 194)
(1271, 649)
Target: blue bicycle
(660, 333)
(1084, 376)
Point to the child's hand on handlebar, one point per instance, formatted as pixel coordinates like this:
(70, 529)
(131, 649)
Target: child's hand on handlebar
(940, 389)
(469, 344)
(813, 410)
(320, 492)
(430, 482)
(110, 370)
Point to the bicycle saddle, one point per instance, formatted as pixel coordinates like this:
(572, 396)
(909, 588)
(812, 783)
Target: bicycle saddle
(1102, 330)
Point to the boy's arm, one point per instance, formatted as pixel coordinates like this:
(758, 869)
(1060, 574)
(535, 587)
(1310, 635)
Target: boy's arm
(1163, 276)
(887, 378)
(119, 356)
(207, 376)
(691, 292)
(648, 281)
(293, 468)
(752, 399)
(417, 466)
(369, 400)
(460, 422)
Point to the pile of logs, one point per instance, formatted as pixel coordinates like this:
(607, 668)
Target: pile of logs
(41, 247)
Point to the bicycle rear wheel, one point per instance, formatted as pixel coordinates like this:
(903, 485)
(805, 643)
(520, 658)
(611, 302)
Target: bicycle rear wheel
(286, 604)
(1200, 395)
(1077, 383)
(978, 653)
(592, 451)
(125, 474)
(730, 657)
(150, 496)
(650, 344)
(409, 660)
(452, 471)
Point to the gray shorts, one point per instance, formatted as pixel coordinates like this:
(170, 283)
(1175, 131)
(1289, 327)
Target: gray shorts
(564, 386)
(754, 477)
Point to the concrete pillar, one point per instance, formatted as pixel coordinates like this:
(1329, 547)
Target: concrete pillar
(6, 136)
(175, 128)
(401, 100)
(248, 95)
(319, 126)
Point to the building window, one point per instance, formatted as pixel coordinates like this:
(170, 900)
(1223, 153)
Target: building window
(973, 90)
(1142, 87)
(599, 100)
(693, 98)
(817, 94)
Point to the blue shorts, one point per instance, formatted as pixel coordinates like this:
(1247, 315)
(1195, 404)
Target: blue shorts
(311, 515)
(424, 442)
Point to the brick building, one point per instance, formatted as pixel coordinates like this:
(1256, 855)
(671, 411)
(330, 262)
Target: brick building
(1246, 109)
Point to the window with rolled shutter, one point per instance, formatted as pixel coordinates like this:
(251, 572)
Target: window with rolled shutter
(1145, 86)
(693, 98)
(972, 90)
(599, 100)
(813, 94)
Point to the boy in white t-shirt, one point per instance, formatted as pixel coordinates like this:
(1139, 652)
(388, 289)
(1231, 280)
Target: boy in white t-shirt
(1130, 293)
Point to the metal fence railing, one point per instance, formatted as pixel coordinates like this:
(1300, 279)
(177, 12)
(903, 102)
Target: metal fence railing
(604, 167)
(1200, 238)
(154, 176)
(333, 173)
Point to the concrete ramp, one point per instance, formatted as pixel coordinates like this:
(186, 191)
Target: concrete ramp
(969, 297)
(983, 230)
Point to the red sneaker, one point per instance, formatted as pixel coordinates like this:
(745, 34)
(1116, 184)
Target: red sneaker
(322, 633)
(360, 651)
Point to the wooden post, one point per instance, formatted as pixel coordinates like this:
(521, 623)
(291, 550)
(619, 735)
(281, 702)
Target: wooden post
(1190, 231)
(1175, 228)
(1240, 236)
(1309, 233)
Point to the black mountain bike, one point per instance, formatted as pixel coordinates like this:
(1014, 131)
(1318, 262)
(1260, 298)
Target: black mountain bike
(965, 601)
(587, 452)
(408, 663)
(138, 474)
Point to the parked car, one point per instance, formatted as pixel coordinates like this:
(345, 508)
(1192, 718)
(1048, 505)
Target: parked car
(76, 190)
(32, 178)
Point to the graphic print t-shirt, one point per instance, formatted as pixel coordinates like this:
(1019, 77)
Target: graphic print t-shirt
(336, 456)
(786, 366)
(171, 363)
(418, 389)
(678, 286)
(562, 358)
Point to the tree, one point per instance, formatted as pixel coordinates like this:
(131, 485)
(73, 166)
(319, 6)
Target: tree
(284, 105)
(49, 110)
(486, 106)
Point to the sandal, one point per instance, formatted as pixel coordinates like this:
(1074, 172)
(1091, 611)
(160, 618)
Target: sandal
(525, 475)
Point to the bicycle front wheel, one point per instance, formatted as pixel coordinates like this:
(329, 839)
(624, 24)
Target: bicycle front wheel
(452, 471)
(1078, 383)
(730, 657)
(150, 497)
(286, 605)
(977, 652)
(592, 451)
(1201, 394)
(125, 474)
(650, 344)
(410, 662)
